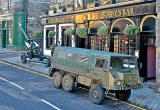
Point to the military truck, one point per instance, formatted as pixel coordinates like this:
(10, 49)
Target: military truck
(103, 72)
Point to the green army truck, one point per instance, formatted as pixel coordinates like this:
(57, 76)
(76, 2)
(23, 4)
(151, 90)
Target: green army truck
(103, 72)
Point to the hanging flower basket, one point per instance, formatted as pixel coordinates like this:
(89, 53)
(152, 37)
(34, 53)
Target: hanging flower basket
(51, 34)
(38, 34)
(131, 30)
(102, 31)
(82, 32)
(69, 32)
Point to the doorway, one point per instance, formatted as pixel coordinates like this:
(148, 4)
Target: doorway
(147, 47)
(148, 57)
(81, 42)
(64, 39)
(48, 40)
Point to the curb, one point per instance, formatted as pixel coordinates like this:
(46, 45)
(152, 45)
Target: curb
(146, 107)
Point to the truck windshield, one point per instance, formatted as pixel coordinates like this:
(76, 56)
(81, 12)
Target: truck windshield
(123, 63)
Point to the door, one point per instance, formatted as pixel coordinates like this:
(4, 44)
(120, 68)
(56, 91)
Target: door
(101, 71)
(151, 61)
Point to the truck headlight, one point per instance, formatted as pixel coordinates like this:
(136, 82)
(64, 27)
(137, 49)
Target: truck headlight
(125, 65)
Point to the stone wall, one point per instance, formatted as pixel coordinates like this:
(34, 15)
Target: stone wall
(4, 7)
(34, 11)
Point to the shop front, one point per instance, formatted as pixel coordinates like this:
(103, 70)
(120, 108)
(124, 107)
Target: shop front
(6, 24)
(11, 35)
(59, 26)
(115, 20)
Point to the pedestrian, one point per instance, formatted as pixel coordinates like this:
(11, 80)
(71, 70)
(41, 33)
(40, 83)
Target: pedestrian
(53, 45)
(58, 43)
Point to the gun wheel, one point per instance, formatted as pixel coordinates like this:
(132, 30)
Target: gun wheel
(68, 82)
(24, 58)
(96, 94)
(123, 95)
(57, 79)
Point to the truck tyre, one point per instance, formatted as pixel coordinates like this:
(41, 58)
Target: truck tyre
(96, 94)
(68, 83)
(57, 79)
(24, 58)
(123, 95)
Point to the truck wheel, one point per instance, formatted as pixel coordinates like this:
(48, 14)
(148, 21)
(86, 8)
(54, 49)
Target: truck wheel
(24, 58)
(57, 79)
(68, 82)
(96, 94)
(123, 95)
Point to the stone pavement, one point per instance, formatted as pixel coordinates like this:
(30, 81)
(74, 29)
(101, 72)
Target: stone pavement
(146, 97)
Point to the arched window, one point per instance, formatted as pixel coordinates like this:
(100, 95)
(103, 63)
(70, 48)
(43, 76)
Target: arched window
(121, 43)
(97, 42)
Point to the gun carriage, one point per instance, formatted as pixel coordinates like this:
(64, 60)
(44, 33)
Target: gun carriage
(34, 52)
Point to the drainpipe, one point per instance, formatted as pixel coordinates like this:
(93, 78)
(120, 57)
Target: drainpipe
(158, 45)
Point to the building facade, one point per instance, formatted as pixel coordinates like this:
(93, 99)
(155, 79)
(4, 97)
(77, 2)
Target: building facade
(27, 13)
(115, 16)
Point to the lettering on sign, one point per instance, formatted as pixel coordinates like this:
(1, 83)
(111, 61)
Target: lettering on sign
(118, 13)
(61, 19)
(80, 18)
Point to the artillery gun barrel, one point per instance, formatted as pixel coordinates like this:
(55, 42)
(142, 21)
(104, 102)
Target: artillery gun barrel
(27, 38)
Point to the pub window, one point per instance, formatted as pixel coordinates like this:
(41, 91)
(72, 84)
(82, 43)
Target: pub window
(124, 44)
(97, 42)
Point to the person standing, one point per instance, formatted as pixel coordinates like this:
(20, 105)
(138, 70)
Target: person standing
(53, 45)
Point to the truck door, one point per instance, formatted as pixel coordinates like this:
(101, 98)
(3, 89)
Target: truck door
(101, 71)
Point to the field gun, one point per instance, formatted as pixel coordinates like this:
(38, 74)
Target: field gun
(34, 52)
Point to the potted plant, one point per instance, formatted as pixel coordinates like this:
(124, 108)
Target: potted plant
(82, 32)
(44, 11)
(102, 31)
(131, 30)
(38, 37)
(69, 7)
(69, 32)
(54, 9)
(107, 2)
(92, 3)
(61, 8)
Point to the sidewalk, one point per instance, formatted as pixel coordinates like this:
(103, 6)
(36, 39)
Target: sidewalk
(17, 61)
(2, 51)
(146, 97)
